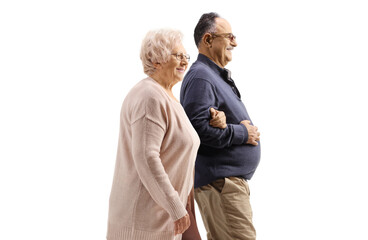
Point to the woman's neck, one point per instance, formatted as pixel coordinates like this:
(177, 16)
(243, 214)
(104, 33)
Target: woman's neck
(166, 85)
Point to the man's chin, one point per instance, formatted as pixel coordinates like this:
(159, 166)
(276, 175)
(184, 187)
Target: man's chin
(228, 59)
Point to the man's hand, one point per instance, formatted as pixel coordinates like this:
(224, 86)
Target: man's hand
(253, 134)
(218, 118)
(182, 224)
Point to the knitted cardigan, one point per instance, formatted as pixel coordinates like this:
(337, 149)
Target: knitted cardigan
(154, 166)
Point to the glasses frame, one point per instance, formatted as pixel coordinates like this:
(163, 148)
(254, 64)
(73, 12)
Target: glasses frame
(229, 36)
(181, 56)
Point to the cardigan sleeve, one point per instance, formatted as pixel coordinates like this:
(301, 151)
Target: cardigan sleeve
(147, 137)
(199, 97)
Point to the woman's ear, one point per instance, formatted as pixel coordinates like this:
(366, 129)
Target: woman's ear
(157, 65)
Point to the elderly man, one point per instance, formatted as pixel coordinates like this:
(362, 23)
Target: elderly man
(227, 158)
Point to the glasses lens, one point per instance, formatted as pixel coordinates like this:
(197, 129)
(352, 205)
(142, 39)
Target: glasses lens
(231, 36)
(181, 56)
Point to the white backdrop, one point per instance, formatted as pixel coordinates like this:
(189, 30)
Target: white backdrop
(66, 66)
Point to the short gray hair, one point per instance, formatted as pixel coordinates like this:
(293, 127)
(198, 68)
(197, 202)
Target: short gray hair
(206, 24)
(157, 47)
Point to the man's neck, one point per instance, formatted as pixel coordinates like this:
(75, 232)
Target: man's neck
(206, 53)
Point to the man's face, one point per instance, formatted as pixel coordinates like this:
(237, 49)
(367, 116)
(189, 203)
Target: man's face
(222, 43)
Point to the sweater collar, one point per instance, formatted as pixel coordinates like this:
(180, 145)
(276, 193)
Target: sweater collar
(204, 59)
(224, 73)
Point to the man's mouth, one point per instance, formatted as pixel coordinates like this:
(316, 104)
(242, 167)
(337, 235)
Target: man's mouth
(181, 70)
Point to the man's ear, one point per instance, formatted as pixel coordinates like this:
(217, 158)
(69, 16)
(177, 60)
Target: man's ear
(207, 40)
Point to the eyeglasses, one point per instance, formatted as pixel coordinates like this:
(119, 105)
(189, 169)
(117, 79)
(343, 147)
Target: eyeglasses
(181, 56)
(229, 36)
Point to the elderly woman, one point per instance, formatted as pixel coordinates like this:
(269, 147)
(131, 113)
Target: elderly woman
(157, 149)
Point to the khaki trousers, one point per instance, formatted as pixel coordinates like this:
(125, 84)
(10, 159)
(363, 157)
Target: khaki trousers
(226, 210)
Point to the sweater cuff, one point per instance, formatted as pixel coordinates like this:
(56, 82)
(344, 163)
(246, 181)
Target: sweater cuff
(177, 209)
(240, 134)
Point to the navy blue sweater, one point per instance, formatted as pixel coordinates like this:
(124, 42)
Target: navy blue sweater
(223, 152)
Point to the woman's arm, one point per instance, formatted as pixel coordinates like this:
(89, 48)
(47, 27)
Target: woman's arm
(147, 137)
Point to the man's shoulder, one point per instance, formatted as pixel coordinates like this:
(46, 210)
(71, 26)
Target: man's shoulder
(199, 70)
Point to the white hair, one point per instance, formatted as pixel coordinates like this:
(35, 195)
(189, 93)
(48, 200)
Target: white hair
(157, 47)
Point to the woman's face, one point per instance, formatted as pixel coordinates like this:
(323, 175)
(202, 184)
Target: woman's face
(175, 68)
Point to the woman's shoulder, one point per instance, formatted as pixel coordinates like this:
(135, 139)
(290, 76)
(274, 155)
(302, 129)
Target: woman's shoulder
(145, 90)
(146, 99)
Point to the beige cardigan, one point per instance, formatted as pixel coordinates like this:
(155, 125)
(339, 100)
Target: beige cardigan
(154, 166)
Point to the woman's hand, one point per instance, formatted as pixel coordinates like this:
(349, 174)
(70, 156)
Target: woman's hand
(182, 224)
(192, 232)
(218, 118)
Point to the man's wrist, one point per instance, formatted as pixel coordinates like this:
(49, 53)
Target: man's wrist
(240, 133)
